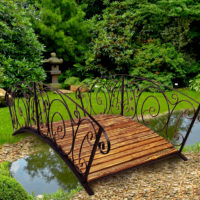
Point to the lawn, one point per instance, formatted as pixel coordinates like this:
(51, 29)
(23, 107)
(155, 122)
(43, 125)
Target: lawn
(6, 125)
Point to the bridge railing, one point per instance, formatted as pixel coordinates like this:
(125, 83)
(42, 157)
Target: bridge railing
(56, 117)
(167, 111)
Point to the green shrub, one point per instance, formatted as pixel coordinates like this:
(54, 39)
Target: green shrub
(127, 28)
(4, 169)
(10, 189)
(195, 83)
(20, 50)
(160, 62)
(71, 81)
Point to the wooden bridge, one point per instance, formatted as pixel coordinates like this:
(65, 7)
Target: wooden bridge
(92, 132)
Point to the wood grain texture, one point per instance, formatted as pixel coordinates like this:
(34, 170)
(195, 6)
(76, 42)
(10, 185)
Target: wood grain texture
(132, 144)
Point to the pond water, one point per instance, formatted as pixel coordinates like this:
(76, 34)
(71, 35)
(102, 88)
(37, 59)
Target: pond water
(178, 124)
(43, 172)
(46, 172)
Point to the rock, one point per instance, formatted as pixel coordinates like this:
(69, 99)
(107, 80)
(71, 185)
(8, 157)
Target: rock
(65, 91)
(81, 88)
(2, 97)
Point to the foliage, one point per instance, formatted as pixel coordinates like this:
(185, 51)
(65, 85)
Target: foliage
(2, 77)
(20, 50)
(4, 168)
(195, 148)
(127, 28)
(161, 62)
(62, 28)
(10, 189)
(62, 195)
(195, 83)
(71, 81)
(92, 7)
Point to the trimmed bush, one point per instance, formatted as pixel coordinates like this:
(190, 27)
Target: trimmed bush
(10, 189)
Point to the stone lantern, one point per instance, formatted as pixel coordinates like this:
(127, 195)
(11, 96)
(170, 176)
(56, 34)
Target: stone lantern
(55, 62)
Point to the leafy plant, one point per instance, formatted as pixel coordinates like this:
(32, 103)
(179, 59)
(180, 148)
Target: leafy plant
(195, 83)
(71, 81)
(10, 189)
(62, 195)
(20, 50)
(160, 62)
(126, 28)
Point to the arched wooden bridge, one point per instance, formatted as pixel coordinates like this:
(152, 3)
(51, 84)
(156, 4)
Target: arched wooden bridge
(92, 132)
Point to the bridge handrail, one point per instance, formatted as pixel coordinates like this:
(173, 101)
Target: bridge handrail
(124, 94)
(31, 106)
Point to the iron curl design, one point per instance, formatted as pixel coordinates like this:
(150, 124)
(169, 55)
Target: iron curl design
(141, 98)
(56, 116)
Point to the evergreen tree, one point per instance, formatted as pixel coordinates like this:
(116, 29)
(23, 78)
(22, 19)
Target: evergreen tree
(62, 29)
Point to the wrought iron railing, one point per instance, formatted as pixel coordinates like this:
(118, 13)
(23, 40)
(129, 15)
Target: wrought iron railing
(143, 100)
(55, 116)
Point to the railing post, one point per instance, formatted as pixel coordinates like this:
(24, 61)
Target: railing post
(190, 128)
(122, 96)
(36, 107)
(98, 136)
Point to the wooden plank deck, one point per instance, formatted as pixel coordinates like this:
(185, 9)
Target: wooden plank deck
(132, 144)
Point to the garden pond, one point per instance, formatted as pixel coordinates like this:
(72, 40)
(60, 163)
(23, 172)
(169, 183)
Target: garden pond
(45, 171)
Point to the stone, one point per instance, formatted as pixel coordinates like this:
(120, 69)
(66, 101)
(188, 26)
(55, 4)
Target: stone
(65, 91)
(2, 97)
(55, 62)
(74, 88)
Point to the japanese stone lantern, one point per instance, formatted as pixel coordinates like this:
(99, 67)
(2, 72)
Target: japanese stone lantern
(55, 62)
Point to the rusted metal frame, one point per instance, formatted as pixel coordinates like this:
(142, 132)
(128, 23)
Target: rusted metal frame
(189, 129)
(98, 136)
(36, 106)
(59, 151)
(122, 96)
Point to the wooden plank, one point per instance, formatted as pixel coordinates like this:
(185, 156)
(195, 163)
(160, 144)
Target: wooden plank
(143, 146)
(84, 129)
(122, 136)
(87, 151)
(130, 157)
(109, 131)
(132, 144)
(105, 120)
(132, 148)
(132, 163)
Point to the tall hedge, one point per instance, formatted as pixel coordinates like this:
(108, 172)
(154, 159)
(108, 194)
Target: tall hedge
(20, 50)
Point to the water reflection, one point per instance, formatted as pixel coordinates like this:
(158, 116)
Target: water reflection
(178, 123)
(43, 172)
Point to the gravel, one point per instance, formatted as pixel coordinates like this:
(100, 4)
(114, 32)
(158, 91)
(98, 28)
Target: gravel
(172, 179)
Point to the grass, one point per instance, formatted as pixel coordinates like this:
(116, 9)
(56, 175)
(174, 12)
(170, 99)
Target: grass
(195, 148)
(6, 125)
